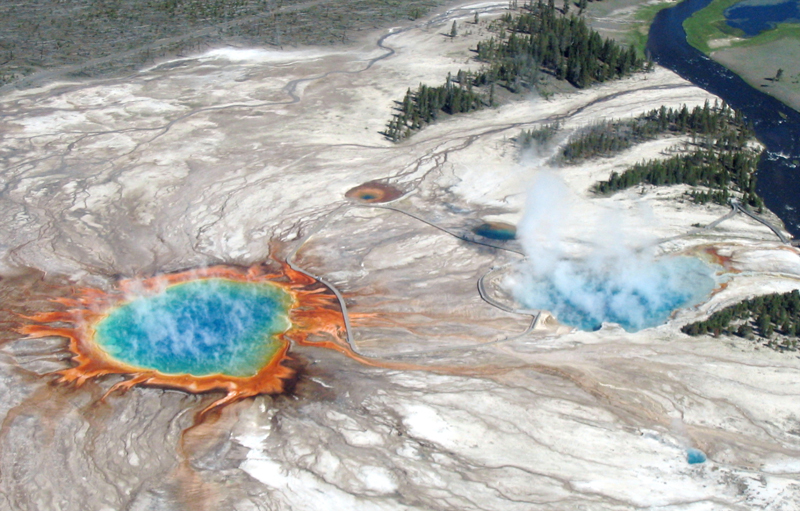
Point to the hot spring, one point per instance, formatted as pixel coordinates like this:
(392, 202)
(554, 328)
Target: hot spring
(695, 456)
(222, 328)
(496, 231)
(589, 264)
(635, 293)
(201, 327)
(374, 192)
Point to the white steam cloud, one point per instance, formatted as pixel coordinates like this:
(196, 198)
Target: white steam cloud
(586, 268)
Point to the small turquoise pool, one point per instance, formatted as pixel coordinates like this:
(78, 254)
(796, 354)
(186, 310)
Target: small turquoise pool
(201, 327)
(695, 456)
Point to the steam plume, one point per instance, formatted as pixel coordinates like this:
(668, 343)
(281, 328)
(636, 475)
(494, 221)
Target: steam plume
(589, 270)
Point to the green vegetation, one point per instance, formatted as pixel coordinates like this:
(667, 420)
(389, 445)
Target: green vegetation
(640, 28)
(717, 126)
(423, 106)
(563, 46)
(709, 24)
(774, 318)
(538, 40)
(783, 30)
(728, 173)
(721, 159)
(538, 137)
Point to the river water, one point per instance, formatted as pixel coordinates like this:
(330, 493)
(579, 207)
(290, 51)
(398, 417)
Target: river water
(754, 16)
(776, 125)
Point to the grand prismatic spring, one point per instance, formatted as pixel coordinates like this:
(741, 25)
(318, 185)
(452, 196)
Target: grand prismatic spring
(360, 347)
(220, 328)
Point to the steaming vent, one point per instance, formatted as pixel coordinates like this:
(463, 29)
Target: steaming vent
(588, 268)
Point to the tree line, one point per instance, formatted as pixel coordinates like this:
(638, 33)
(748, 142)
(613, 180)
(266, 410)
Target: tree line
(714, 126)
(424, 105)
(774, 315)
(721, 161)
(538, 137)
(560, 44)
(539, 39)
(722, 171)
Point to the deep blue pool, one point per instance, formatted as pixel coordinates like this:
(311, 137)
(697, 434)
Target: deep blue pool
(496, 232)
(201, 327)
(755, 16)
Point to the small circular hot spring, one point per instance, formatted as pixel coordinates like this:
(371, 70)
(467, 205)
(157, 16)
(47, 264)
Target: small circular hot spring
(499, 231)
(374, 192)
(634, 292)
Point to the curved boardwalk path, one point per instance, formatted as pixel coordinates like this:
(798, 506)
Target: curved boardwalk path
(481, 288)
(739, 207)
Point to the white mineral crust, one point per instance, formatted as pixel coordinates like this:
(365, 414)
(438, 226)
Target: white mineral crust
(209, 158)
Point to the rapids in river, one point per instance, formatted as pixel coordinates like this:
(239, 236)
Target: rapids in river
(776, 125)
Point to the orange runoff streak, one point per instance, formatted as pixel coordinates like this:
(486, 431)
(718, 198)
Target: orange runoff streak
(314, 312)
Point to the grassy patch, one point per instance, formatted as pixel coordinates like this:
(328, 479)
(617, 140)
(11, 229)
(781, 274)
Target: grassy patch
(709, 24)
(758, 66)
(782, 30)
(640, 28)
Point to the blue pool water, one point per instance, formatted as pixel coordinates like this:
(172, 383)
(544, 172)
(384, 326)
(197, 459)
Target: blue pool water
(755, 16)
(494, 232)
(634, 293)
(695, 456)
(201, 327)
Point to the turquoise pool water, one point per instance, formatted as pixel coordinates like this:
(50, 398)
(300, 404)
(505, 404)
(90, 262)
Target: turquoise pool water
(201, 327)
(695, 456)
(634, 293)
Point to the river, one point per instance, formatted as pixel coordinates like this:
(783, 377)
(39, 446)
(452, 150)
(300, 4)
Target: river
(776, 125)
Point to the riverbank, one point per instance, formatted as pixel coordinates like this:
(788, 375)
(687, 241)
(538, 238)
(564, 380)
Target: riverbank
(756, 59)
(758, 65)
(776, 125)
(626, 21)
